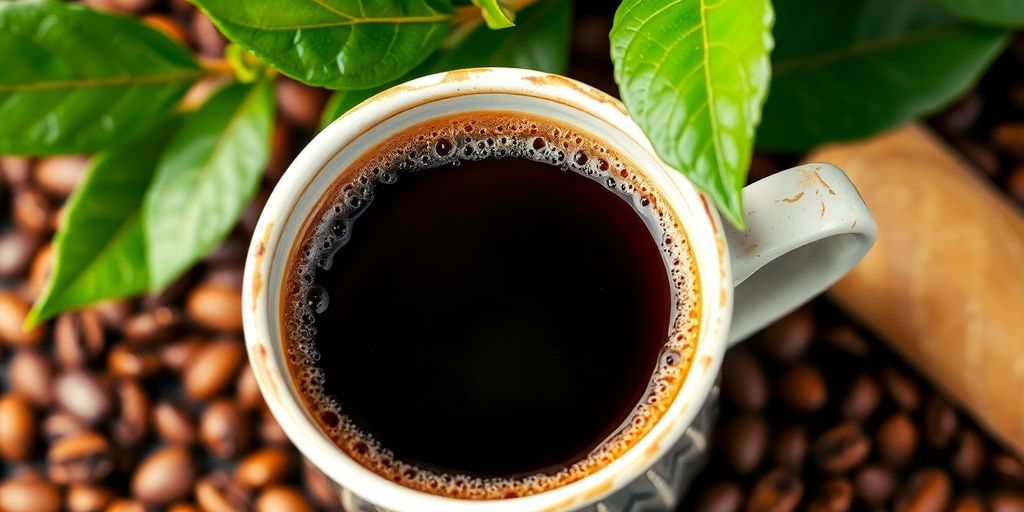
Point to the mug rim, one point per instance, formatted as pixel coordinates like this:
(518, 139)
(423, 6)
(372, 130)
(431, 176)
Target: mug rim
(699, 221)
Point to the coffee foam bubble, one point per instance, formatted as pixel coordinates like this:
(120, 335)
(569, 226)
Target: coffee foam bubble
(450, 141)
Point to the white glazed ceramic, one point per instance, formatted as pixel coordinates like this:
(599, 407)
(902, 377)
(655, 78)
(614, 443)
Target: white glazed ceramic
(807, 226)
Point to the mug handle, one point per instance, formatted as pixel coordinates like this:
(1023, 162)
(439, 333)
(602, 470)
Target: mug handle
(806, 227)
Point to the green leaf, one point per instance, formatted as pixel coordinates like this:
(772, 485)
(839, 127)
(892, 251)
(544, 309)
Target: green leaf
(845, 70)
(75, 80)
(206, 177)
(99, 252)
(495, 15)
(339, 44)
(1001, 13)
(540, 41)
(693, 74)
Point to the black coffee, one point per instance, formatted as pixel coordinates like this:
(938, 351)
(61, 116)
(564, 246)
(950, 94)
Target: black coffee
(484, 310)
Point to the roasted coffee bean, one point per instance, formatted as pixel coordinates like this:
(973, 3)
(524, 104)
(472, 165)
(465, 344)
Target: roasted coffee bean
(216, 306)
(969, 456)
(206, 37)
(1009, 138)
(717, 497)
(79, 338)
(229, 275)
(58, 176)
(13, 311)
(217, 493)
(31, 377)
(1007, 469)
(174, 355)
(789, 336)
(88, 498)
(300, 104)
(875, 484)
(841, 448)
(1015, 184)
(270, 431)
(846, 339)
(968, 503)
(896, 439)
(790, 447)
(212, 368)
(961, 115)
(29, 494)
(126, 505)
(224, 429)
(777, 491)
(16, 248)
(831, 496)
(61, 424)
(321, 489)
(112, 313)
(170, 295)
(183, 507)
(901, 388)
(802, 388)
(17, 428)
(32, 211)
(281, 152)
(39, 270)
(744, 439)
(132, 422)
(982, 156)
(164, 476)
(126, 362)
(282, 498)
(246, 389)
(16, 170)
(151, 325)
(168, 25)
(1007, 501)
(173, 424)
(940, 422)
(80, 458)
(265, 466)
(862, 399)
(928, 490)
(743, 381)
(83, 394)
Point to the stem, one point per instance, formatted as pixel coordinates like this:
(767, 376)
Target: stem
(468, 17)
(216, 67)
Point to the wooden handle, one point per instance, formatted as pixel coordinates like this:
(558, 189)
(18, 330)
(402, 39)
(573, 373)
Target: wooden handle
(944, 283)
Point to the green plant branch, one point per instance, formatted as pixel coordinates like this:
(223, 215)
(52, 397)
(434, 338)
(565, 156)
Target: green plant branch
(467, 18)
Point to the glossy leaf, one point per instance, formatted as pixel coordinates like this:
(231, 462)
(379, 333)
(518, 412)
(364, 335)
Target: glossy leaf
(1002, 13)
(865, 65)
(75, 80)
(339, 44)
(540, 40)
(208, 174)
(495, 15)
(100, 252)
(693, 74)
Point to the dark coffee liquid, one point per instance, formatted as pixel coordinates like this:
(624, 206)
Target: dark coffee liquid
(487, 321)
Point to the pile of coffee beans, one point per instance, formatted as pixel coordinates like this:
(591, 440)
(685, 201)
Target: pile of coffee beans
(818, 416)
(145, 403)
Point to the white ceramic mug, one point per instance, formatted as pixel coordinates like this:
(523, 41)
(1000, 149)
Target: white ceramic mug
(807, 227)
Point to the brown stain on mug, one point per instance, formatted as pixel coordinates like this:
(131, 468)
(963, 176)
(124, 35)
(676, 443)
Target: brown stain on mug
(791, 200)
(258, 256)
(585, 90)
(599, 489)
